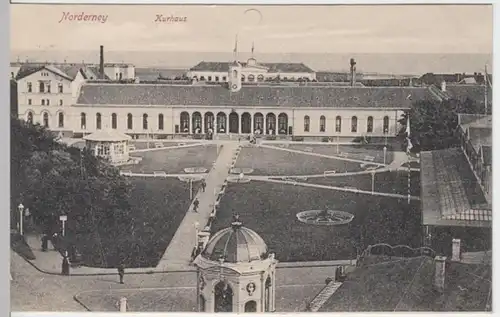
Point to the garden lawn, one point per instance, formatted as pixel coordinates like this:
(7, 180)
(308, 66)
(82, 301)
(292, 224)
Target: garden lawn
(270, 209)
(158, 207)
(354, 151)
(265, 161)
(385, 182)
(174, 160)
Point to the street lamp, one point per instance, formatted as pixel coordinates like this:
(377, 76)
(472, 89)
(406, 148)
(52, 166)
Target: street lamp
(373, 182)
(20, 208)
(196, 229)
(63, 219)
(385, 134)
(385, 152)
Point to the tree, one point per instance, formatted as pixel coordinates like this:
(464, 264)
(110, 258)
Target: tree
(433, 124)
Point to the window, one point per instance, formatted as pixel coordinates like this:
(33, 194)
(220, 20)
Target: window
(160, 121)
(260, 77)
(46, 119)
(369, 125)
(386, 124)
(60, 102)
(42, 87)
(29, 101)
(48, 88)
(119, 148)
(224, 78)
(322, 124)
(60, 88)
(113, 121)
(145, 121)
(202, 78)
(98, 121)
(121, 76)
(48, 102)
(251, 78)
(242, 77)
(354, 124)
(30, 87)
(61, 120)
(235, 73)
(217, 78)
(338, 124)
(43, 102)
(83, 120)
(209, 78)
(12, 74)
(307, 123)
(129, 121)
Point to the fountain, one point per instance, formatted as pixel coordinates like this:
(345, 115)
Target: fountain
(325, 217)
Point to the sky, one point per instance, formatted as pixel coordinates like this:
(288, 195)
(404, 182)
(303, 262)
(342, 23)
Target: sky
(429, 29)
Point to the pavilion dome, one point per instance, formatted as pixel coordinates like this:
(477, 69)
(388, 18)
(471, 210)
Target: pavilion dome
(107, 136)
(236, 244)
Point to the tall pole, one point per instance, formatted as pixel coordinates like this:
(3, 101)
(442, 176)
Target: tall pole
(338, 141)
(197, 289)
(190, 189)
(408, 147)
(385, 154)
(485, 90)
(373, 182)
(21, 216)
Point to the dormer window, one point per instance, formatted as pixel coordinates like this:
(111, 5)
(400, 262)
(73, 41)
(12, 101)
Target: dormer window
(60, 88)
(30, 87)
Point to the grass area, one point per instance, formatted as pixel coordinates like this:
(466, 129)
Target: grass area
(144, 145)
(158, 207)
(385, 182)
(265, 161)
(354, 151)
(174, 160)
(270, 209)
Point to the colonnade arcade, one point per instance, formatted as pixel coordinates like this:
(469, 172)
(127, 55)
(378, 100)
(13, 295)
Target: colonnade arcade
(222, 123)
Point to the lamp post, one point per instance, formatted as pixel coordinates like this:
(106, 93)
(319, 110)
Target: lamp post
(63, 219)
(373, 182)
(196, 230)
(20, 208)
(385, 152)
(190, 188)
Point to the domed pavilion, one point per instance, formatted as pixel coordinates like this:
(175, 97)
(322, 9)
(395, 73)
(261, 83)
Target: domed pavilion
(236, 273)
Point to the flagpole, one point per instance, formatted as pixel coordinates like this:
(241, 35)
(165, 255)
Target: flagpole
(485, 90)
(408, 147)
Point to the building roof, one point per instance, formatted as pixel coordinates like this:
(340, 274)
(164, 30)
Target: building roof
(271, 67)
(107, 136)
(407, 285)
(451, 195)
(479, 136)
(472, 92)
(235, 244)
(475, 120)
(487, 155)
(267, 96)
(66, 70)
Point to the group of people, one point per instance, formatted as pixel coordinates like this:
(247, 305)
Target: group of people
(196, 202)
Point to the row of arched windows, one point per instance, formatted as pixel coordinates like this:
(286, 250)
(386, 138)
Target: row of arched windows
(338, 124)
(114, 121)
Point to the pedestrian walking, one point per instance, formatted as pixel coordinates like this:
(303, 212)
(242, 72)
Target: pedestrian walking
(121, 272)
(65, 264)
(196, 203)
(203, 185)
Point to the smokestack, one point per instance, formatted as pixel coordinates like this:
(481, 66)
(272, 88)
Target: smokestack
(101, 62)
(353, 72)
(439, 273)
(443, 86)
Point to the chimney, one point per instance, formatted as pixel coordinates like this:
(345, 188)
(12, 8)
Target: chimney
(353, 72)
(443, 86)
(439, 273)
(101, 62)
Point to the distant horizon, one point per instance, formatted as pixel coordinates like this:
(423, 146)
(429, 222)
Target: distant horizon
(383, 63)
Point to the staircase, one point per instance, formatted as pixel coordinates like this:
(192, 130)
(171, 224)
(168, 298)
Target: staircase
(323, 296)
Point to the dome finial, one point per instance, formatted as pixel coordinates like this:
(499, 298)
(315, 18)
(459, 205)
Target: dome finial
(236, 224)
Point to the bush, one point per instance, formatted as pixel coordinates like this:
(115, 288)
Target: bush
(298, 138)
(19, 245)
(325, 139)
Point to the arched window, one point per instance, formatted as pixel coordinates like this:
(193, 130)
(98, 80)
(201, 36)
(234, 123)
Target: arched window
(113, 121)
(369, 124)
(202, 78)
(307, 123)
(83, 121)
(322, 124)
(354, 124)
(42, 86)
(98, 121)
(145, 121)
(338, 124)
(260, 77)
(46, 119)
(130, 124)
(386, 124)
(184, 122)
(61, 120)
(223, 298)
(160, 121)
(242, 78)
(251, 78)
(267, 295)
(29, 117)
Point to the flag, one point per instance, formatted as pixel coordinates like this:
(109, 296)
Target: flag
(253, 47)
(236, 44)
